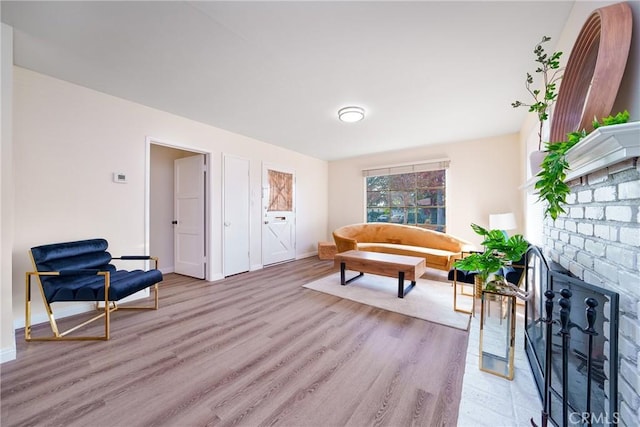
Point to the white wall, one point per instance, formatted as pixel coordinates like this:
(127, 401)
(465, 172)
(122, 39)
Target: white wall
(483, 178)
(68, 142)
(7, 341)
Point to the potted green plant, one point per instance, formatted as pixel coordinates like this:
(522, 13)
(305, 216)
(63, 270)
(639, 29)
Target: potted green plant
(551, 179)
(543, 98)
(499, 252)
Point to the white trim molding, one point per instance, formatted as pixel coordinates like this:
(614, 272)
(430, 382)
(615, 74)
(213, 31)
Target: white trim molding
(8, 354)
(401, 168)
(602, 148)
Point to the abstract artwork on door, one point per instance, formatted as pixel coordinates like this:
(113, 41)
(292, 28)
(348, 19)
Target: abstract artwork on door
(280, 191)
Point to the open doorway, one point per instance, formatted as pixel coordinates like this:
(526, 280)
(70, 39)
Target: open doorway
(160, 220)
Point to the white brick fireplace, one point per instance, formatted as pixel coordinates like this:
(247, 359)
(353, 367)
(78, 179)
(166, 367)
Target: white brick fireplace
(598, 239)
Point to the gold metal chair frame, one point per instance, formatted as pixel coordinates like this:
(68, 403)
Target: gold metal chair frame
(462, 287)
(109, 307)
(455, 294)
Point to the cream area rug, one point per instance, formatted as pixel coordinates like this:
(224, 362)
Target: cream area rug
(430, 300)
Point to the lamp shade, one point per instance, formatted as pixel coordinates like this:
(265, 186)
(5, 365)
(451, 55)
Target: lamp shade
(502, 221)
(351, 114)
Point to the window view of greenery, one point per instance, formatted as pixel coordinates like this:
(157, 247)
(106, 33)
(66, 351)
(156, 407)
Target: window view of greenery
(416, 198)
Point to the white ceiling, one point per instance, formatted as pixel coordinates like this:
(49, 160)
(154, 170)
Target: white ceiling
(426, 72)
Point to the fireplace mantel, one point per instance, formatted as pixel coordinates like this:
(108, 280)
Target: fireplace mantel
(604, 147)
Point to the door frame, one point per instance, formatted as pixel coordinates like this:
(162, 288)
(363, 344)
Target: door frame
(149, 140)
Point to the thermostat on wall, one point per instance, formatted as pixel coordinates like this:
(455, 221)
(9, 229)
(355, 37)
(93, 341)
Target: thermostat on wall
(119, 177)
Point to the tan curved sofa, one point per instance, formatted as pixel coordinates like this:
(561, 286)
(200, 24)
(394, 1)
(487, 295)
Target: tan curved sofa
(440, 250)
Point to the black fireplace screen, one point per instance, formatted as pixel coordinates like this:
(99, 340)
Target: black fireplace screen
(589, 398)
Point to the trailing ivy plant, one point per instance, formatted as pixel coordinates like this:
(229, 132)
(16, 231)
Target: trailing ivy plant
(612, 120)
(499, 251)
(544, 98)
(551, 179)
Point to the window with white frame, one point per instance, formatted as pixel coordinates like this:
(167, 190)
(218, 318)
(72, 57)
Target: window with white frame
(412, 194)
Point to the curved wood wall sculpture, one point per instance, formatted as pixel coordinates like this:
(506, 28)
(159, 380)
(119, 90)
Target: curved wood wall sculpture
(594, 71)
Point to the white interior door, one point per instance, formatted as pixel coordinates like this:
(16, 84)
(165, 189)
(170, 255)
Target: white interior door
(189, 211)
(279, 221)
(236, 215)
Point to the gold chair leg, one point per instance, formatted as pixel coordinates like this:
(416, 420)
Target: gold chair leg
(47, 307)
(57, 336)
(455, 296)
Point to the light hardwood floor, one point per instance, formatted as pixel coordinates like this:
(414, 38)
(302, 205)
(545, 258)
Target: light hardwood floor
(253, 349)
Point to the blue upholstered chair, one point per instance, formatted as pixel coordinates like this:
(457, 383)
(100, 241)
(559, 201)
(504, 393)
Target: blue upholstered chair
(515, 272)
(82, 271)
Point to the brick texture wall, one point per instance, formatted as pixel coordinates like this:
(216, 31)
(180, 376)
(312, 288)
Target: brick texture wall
(598, 240)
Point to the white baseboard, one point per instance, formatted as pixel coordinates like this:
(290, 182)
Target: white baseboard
(216, 277)
(138, 295)
(298, 256)
(307, 255)
(66, 309)
(167, 270)
(7, 354)
(59, 313)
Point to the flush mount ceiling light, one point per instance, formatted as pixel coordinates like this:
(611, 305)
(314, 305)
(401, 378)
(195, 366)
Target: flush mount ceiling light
(351, 114)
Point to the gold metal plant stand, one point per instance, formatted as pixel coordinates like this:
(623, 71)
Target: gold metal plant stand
(497, 333)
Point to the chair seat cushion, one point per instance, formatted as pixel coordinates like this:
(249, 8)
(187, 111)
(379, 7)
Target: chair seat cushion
(512, 274)
(462, 276)
(91, 287)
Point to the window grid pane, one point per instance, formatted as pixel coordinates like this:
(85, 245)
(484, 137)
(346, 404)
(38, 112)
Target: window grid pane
(415, 198)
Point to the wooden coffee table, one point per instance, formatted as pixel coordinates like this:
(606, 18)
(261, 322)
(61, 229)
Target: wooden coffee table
(382, 264)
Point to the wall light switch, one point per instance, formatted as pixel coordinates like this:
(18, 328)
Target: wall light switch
(119, 177)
